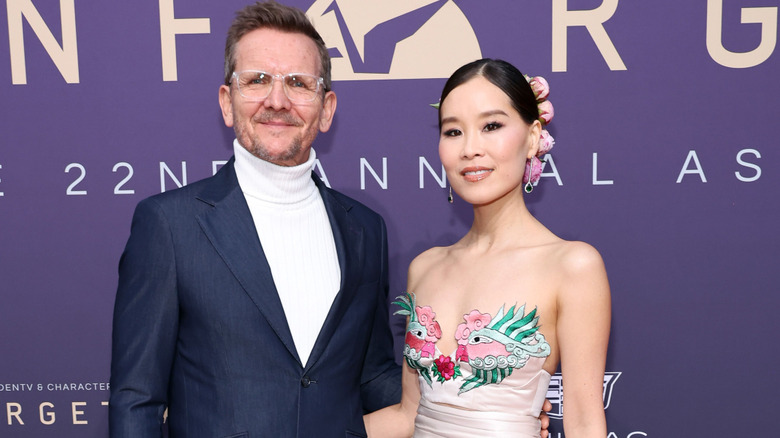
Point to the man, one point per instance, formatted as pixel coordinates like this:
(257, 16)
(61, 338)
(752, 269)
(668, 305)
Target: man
(253, 303)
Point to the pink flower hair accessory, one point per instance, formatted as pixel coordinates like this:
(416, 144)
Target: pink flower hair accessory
(546, 142)
(540, 87)
(546, 112)
(541, 90)
(533, 167)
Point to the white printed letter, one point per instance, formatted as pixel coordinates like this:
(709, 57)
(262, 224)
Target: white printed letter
(216, 165)
(750, 165)
(364, 165)
(593, 20)
(425, 164)
(596, 181)
(697, 171)
(321, 172)
(169, 28)
(65, 58)
(548, 161)
(766, 17)
(165, 169)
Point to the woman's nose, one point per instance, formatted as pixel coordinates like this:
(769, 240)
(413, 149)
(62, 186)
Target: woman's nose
(472, 146)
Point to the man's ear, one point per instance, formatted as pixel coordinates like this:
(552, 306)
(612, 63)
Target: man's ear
(226, 103)
(328, 111)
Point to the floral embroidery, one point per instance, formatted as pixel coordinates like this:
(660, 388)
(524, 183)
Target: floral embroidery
(492, 346)
(444, 369)
(426, 318)
(474, 321)
(504, 344)
(422, 333)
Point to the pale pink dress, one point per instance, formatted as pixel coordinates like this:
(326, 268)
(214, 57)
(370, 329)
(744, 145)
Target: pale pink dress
(493, 385)
(509, 409)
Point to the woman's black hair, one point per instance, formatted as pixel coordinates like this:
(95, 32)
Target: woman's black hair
(503, 75)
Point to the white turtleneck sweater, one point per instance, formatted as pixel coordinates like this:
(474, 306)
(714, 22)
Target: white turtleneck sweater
(297, 240)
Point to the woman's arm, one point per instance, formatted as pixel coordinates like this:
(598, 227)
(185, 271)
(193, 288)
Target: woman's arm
(583, 334)
(396, 420)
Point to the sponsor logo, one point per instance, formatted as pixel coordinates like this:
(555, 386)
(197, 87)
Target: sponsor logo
(555, 392)
(388, 39)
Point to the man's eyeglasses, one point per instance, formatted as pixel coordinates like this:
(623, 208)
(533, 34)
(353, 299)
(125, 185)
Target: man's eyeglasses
(255, 85)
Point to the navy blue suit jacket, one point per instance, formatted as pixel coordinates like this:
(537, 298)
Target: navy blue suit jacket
(199, 327)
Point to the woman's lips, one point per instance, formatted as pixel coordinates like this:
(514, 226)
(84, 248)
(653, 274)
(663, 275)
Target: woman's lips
(474, 174)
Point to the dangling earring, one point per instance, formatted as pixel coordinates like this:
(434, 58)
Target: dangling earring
(449, 198)
(529, 187)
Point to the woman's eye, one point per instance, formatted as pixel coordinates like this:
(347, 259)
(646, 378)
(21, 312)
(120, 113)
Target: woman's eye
(492, 126)
(451, 133)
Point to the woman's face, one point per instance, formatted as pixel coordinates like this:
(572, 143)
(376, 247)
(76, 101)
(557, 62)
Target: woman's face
(484, 143)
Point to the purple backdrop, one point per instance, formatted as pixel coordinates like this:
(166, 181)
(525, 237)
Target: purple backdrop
(666, 161)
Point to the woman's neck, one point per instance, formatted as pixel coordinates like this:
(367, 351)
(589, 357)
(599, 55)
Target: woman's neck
(505, 221)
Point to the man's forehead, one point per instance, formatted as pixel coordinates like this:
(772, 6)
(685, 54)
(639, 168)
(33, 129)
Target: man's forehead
(271, 49)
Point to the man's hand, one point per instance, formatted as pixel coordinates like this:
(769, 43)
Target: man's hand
(546, 407)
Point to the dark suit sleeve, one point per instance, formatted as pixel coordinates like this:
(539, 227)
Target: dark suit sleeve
(381, 378)
(144, 327)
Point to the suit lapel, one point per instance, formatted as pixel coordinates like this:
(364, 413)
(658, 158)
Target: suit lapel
(230, 229)
(348, 236)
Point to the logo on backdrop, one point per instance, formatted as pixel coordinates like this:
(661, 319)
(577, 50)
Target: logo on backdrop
(555, 392)
(388, 39)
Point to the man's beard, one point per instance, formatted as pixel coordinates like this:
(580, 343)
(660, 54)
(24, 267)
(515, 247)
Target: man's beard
(255, 147)
(252, 142)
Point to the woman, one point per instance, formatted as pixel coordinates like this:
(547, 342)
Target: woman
(491, 317)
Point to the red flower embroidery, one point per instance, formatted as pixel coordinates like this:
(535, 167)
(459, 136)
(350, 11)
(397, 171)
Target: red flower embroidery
(445, 367)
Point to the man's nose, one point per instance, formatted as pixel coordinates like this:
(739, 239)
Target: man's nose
(277, 99)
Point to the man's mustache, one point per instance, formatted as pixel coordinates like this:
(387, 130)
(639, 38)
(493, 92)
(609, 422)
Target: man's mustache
(283, 117)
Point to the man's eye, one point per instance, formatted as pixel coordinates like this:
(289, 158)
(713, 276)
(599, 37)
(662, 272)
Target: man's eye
(300, 82)
(258, 80)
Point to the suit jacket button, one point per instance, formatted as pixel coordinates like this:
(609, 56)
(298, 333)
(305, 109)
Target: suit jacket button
(305, 381)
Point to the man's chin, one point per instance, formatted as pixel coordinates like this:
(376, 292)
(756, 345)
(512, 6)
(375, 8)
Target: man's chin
(280, 156)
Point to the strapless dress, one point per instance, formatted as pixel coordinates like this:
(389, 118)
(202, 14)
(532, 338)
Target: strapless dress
(492, 385)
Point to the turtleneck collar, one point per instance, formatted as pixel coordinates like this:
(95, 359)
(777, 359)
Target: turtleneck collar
(273, 183)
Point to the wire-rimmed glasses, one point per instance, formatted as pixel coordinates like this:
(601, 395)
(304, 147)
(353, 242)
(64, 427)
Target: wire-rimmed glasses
(256, 85)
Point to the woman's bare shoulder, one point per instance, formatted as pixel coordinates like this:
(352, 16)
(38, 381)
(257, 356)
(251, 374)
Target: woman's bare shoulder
(428, 258)
(426, 264)
(581, 271)
(575, 256)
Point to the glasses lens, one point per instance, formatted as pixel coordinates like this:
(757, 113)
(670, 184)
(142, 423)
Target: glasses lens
(257, 85)
(301, 87)
(254, 84)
